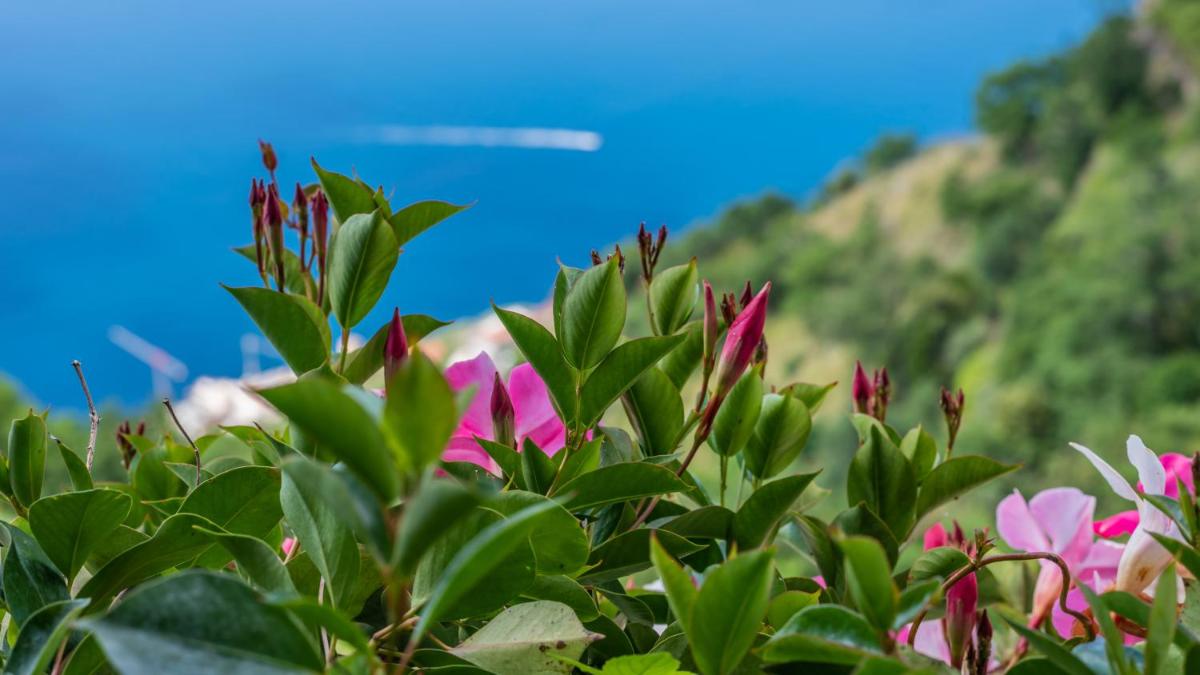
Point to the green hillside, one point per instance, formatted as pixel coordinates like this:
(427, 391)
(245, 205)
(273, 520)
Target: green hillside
(1050, 267)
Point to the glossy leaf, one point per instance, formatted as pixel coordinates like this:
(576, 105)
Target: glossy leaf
(420, 413)
(30, 579)
(684, 359)
(325, 537)
(347, 196)
(527, 638)
(336, 419)
(240, 501)
(428, 515)
(1051, 649)
(593, 315)
(655, 411)
(956, 476)
(566, 590)
(363, 253)
(921, 450)
(175, 543)
(738, 415)
(729, 611)
(629, 553)
(292, 323)
(618, 371)
(27, 458)
(559, 542)
(869, 579)
(81, 478)
(543, 352)
(199, 622)
(414, 219)
(68, 526)
(257, 561)
(618, 483)
(40, 636)
(367, 360)
(882, 477)
(673, 294)
(1162, 623)
(823, 634)
(757, 518)
(681, 592)
(780, 434)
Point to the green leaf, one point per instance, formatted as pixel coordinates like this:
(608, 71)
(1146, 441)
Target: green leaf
(823, 634)
(820, 546)
(346, 195)
(882, 477)
(706, 522)
(70, 525)
(1162, 623)
(560, 544)
(681, 592)
(30, 580)
(526, 639)
(81, 478)
(682, 362)
(537, 469)
(27, 458)
(257, 561)
(363, 253)
(323, 535)
(420, 413)
(175, 543)
(199, 622)
(618, 371)
(619, 483)
(939, 563)
(565, 590)
(956, 476)
(295, 326)
(593, 315)
(1186, 555)
(729, 611)
(414, 219)
(738, 415)
(1114, 639)
(785, 605)
(566, 277)
(543, 353)
(913, 600)
(437, 505)
(317, 615)
(673, 294)
(920, 449)
(40, 637)
(780, 433)
(367, 360)
(862, 521)
(477, 560)
(813, 395)
(584, 460)
(629, 552)
(1056, 653)
(869, 578)
(766, 506)
(655, 411)
(654, 663)
(293, 272)
(240, 501)
(336, 419)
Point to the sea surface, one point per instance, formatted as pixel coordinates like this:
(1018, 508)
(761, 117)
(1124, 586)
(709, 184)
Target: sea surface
(128, 134)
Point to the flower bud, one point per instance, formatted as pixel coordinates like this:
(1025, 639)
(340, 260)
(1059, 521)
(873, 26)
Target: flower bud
(712, 330)
(741, 342)
(395, 348)
(882, 386)
(503, 415)
(962, 601)
(300, 206)
(952, 410)
(729, 309)
(747, 295)
(274, 218)
(320, 216)
(935, 537)
(258, 198)
(983, 643)
(862, 391)
(268, 157)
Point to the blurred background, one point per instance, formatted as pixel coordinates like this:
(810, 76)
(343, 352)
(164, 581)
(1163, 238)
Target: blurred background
(997, 196)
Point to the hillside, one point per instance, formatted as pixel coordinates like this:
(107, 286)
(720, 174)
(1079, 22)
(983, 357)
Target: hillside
(1048, 267)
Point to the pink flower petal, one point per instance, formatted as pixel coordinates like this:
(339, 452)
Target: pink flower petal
(1177, 466)
(1017, 526)
(465, 449)
(1116, 525)
(478, 372)
(1065, 514)
(550, 437)
(935, 536)
(531, 400)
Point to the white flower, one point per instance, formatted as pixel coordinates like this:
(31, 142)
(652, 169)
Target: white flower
(1144, 558)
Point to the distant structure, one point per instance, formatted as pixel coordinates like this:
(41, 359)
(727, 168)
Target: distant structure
(164, 368)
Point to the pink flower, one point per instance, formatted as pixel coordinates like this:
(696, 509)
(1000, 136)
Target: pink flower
(533, 414)
(861, 390)
(395, 348)
(1059, 521)
(287, 545)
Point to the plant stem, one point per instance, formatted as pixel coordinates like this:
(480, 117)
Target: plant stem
(93, 417)
(345, 348)
(195, 450)
(724, 475)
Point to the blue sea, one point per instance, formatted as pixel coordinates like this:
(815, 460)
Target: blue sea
(128, 138)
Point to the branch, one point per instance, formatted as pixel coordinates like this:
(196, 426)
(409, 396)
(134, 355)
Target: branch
(93, 417)
(195, 450)
(978, 564)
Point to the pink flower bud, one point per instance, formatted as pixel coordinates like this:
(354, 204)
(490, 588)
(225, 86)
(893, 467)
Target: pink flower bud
(504, 416)
(320, 216)
(274, 218)
(712, 328)
(862, 391)
(395, 349)
(741, 342)
(935, 537)
(961, 602)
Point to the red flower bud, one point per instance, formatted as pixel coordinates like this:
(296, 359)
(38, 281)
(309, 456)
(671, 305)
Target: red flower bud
(741, 342)
(504, 416)
(862, 391)
(274, 218)
(712, 329)
(935, 536)
(268, 157)
(395, 349)
(962, 601)
(320, 215)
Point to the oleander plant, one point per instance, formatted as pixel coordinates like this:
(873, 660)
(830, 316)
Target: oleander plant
(411, 516)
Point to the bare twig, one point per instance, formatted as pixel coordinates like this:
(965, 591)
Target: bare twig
(1010, 557)
(93, 416)
(195, 450)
